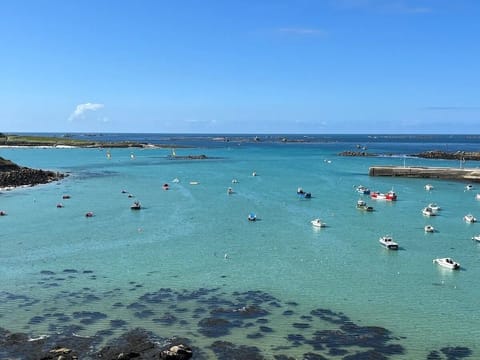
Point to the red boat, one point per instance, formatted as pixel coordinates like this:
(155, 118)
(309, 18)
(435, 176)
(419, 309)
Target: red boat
(389, 196)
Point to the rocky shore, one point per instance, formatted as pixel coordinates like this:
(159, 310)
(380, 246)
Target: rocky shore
(135, 344)
(13, 175)
(458, 155)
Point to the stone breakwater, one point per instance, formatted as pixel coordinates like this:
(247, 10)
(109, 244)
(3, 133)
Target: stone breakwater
(426, 172)
(13, 175)
(458, 155)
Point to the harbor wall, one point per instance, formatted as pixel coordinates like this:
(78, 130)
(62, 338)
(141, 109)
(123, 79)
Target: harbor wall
(471, 174)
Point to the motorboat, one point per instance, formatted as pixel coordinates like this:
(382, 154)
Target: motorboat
(429, 187)
(303, 194)
(136, 205)
(3, 213)
(165, 186)
(66, 196)
(469, 218)
(362, 205)
(434, 207)
(59, 205)
(89, 214)
(176, 181)
(254, 173)
(194, 183)
(429, 229)
(477, 197)
(469, 187)
(229, 191)
(318, 223)
(388, 243)
(427, 211)
(389, 196)
(234, 181)
(363, 190)
(448, 263)
(252, 217)
(476, 237)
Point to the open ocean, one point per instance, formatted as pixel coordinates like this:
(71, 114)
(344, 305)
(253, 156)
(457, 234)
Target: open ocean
(190, 264)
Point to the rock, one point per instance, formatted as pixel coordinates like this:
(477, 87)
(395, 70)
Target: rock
(13, 175)
(177, 352)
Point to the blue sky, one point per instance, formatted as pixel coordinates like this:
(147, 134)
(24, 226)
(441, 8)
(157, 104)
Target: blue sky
(240, 66)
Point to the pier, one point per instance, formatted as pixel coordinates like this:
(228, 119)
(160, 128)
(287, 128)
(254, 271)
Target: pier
(467, 174)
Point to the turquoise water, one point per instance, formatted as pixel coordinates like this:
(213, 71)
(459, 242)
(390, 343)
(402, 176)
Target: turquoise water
(195, 243)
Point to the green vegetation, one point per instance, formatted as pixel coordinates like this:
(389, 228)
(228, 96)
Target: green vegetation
(23, 140)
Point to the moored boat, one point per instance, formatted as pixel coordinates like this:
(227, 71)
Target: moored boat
(136, 205)
(448, 263)
(429, 229)
(434, 207)
(427, 211)
(229, 191)
(476, 237)
(429, 187)
(469, 218)
(469, 187)
(363, 190)
(252, 217)
(362, 205)
(318, 223)
(389, 196)
(388, 243)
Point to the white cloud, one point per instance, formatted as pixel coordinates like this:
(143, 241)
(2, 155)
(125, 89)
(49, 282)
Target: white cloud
(82, 108)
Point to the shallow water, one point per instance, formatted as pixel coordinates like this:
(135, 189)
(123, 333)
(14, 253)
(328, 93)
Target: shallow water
(64, 272)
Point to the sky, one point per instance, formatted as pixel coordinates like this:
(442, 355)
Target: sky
(240, 66)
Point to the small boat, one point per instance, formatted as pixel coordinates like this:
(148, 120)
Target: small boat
(469, 187)
(388, 243)
(234, 181)
(59, 205)
(427, 211)
(130, 195)
(389, 196)
(136, 205)
(124, 191)
(469, 218)
(362, 205)
(254, 173)
(303, 194)
(3, 213)
(363, 190)
(447, 263)
(89, 214)
(229, 191)
(66, 196)
(429, 187)
(477, 197)
(176, 181)
(194, 183)
(318, 223)
(476, 238)
(429, 229)
(434, 207)
(252, 217)
(165, 186)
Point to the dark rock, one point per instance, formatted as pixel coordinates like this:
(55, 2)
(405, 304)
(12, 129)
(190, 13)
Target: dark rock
(227, 350)
(177, 352)
(13, 175)
(214, 327)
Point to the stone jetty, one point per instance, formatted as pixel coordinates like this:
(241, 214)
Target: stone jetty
(467, 174)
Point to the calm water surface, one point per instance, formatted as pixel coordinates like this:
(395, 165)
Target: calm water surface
(191, 254)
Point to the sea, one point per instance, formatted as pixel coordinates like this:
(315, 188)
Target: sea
(190, 265)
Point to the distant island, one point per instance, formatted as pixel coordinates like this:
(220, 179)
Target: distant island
(51, 141)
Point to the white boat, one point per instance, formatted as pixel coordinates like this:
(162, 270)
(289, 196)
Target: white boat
(434, 207)
(428, 211)
(318, 223)
(362, 205)
(469, 218)
(429, 229)
(252, 217)
(194, 183)
(388, 243)
(176, 180)
(448, 263)
(429, 187)
(363, 190)
(229, 191)
(476, 238)
(477, 197)
(468, 187)
(234, 181)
